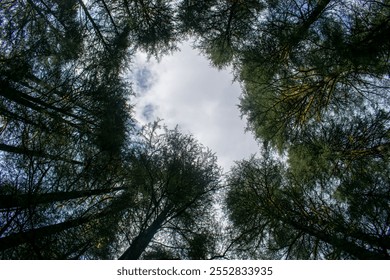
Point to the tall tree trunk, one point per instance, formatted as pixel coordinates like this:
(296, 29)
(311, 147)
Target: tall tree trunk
(41, 107)
(141, 242)
(334, 239)
(41, 154)
(343, 244)
(32, 235)
(17, 239)
(26, 200)
(304, 26)
(92, 21)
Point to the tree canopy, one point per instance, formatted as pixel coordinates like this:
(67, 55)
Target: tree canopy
(80, 178)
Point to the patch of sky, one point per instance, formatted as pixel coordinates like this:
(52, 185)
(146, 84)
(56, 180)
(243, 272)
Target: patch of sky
(143, 79)
(148, 112)
(182, 89)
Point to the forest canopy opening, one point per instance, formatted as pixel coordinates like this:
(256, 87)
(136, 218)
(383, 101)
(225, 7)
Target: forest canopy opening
(80, 178)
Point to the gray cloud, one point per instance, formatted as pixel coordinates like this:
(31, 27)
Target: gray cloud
(186, 91)
(148, 112)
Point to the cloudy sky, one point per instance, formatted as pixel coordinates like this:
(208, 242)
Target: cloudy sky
(183, 89)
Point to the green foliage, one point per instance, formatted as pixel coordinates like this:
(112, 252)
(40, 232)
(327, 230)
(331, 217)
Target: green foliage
(175, 178)
(79, 179)
(313, 68)
(221, 28)
(315, 85)
(278, 214)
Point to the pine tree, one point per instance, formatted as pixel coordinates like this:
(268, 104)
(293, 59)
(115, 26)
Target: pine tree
(177, 178)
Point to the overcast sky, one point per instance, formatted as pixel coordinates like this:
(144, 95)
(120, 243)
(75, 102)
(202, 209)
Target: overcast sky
(183, 89)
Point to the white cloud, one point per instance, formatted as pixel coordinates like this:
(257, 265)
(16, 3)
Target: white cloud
(183, 89)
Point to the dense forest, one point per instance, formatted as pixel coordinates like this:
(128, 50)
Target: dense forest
(80, 178)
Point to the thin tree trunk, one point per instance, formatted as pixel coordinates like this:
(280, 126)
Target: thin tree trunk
(27, 152)
(110, 16)
(341, 243)
(17, 239)
(95, 27)
(347, 246)
(11, 115)
(20, 98)
(302, 28)
(314, 15)
(26, 200)
(30, 236)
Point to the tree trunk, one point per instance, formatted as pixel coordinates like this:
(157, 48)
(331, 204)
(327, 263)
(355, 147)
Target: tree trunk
(31, 102)
(17, 239)
(349, 247)
(141, 242)
(26, 200)
(41, 154)
(343, 244)
(303, 27)
(95, 27)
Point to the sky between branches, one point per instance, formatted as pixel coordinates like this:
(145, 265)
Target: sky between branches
(184, 89)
